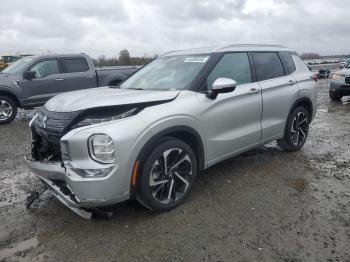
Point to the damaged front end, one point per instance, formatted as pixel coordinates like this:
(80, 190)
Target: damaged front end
(47, 160)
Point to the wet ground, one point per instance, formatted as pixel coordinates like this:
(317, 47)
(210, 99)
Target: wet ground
(265, 205)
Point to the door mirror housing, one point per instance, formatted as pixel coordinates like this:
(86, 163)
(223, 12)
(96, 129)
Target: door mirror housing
(222, 85)
(29, 75)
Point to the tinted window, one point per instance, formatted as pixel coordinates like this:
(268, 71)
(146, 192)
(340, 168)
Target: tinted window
(235, 66)
(74, 65)
(267, 66)
(288, 62)
(45, 68)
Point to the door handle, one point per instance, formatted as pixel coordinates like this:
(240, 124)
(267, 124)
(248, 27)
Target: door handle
(59, 79)
(253, 91)
(291, 82)
(89, 76)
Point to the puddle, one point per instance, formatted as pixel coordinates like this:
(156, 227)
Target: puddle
(19, 247)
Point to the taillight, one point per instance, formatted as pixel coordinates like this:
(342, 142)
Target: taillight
(314, 77)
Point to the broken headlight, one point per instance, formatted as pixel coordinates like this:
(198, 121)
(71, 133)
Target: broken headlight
(101, 148)
(101, 118)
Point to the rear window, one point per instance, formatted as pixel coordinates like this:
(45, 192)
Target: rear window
(288, 62)
(74, 65)
(267, 65)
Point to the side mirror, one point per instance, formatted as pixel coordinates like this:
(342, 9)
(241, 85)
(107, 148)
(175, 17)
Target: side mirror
(222, 85)
(29, 75)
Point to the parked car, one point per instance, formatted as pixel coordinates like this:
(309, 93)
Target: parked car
(340, 83)
(33, 80)
(180, 114)
(323, 74)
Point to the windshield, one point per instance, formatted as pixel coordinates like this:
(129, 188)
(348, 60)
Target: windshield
(167, 73)
(18, 66)
(347, 65)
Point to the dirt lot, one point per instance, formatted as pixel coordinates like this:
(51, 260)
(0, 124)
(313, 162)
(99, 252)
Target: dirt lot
(265, 205)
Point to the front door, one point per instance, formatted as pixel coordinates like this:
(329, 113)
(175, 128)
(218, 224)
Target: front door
(232, 120)
(48, 82)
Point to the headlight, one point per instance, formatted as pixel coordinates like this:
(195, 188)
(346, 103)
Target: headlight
(337, 77)
(101, 148)
(101, 118)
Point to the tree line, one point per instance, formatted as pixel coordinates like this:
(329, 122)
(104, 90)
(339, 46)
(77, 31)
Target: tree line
(123, 59)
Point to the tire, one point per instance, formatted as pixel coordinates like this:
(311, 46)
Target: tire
(334, 96)
(154, 183)
(296, 130)
(8, 110)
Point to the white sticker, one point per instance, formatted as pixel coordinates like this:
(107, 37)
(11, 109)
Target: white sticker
(196, 59)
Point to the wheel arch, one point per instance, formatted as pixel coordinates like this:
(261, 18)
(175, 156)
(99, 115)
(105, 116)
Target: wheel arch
(304, 102)
(10, 95)
(183, 133)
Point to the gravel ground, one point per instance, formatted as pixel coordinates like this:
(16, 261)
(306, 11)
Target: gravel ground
(264, 205)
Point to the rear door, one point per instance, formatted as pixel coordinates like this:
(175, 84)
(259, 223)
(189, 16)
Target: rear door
(279, 90)
(232, 120)
(78, 73)
(49, 81)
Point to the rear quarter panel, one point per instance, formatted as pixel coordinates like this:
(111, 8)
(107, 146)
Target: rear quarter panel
(306, 85)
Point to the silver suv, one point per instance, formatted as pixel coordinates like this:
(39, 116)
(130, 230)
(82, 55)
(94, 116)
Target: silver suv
(180, 114)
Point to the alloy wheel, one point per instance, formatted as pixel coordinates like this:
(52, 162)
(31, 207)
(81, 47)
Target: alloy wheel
(299, 128)
(5, 110)
(170, 176)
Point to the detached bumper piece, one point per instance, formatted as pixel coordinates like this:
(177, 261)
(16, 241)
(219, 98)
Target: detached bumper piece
(66, 197)
(52, 176)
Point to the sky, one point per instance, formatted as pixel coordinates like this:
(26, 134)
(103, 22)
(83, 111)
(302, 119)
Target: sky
(149, 27)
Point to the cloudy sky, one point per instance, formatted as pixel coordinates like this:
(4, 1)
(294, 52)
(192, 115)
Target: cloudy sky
(155, 26)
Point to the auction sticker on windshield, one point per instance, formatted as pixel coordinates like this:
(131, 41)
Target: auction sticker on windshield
(196, 59)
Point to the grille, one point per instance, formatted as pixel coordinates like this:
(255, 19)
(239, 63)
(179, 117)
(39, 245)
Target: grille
(53, 125)
(347, 80)
(47, 130)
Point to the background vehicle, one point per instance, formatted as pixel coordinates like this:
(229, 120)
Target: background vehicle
(323, 73)
(180, 114)
(340, 83)
(33, 80)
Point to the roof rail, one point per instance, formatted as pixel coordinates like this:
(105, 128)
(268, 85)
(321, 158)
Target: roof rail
(243, 45)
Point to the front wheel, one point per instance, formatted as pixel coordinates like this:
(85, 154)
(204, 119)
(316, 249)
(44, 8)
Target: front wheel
(167, 175)
(8, 110)
(296, 130)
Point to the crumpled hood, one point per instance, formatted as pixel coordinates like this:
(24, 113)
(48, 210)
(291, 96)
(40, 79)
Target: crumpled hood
(105, 96)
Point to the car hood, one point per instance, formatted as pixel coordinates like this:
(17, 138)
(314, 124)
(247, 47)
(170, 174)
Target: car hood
(7, 79)
(104, 97)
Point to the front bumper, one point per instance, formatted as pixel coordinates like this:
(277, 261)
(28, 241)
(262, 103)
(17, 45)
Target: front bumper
(58, 179)
(339, 87)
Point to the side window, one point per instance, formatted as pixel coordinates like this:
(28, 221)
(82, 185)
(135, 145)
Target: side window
(267, 65)
(288, 62)
(45, 68)
(235, 66)
(75, 65)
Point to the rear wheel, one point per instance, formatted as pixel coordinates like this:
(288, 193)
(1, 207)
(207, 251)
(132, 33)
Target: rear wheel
(334, 96)
(167, 176)
(8, 110)
(296, 130)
